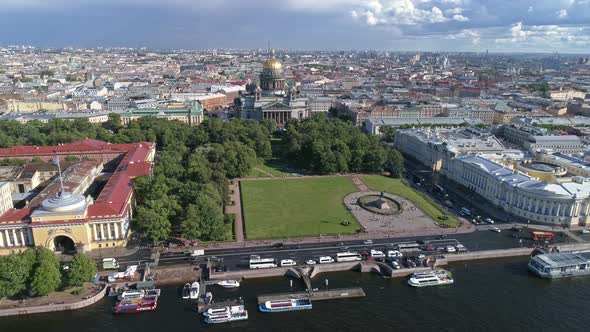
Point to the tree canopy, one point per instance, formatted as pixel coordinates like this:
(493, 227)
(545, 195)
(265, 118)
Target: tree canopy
(82, 269)
(322, 146)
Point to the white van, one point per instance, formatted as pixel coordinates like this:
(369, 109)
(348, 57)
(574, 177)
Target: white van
(377, 254)
(288, 262)
(326, 260)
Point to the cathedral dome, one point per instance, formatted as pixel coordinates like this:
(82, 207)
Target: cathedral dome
(272, 63)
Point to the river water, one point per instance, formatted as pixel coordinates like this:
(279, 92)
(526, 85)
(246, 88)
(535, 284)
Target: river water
(491, 295)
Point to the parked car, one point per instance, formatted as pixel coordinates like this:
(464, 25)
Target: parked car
(421, 256)
(377, 254)
(278, 245)
(326, 260)
(310, 262)
(495, 229)
(288, 262)
(395, 265)
(428, 248)
(460, 248)
(450, 249)
(489, 220)
(394, 254)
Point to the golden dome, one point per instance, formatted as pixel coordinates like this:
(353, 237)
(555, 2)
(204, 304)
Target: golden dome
(272, 63)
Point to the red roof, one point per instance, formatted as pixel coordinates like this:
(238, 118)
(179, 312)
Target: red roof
(114, 197)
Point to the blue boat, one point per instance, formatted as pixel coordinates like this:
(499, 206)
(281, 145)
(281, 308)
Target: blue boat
(285, 305)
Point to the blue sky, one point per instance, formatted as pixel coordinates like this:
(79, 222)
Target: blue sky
(428, 25)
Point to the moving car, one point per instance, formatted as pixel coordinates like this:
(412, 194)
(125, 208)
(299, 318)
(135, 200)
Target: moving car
(310, 262)
(450, 249)
(368, 242)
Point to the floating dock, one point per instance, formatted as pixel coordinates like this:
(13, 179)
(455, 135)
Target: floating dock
(329, 294)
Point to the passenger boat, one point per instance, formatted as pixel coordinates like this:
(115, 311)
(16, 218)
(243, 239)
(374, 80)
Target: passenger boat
(186, 291)
(285, 305)
(229, 284)
(434, 278)
(228, 314)
(194, 291)
(136, 305)
(560, 265)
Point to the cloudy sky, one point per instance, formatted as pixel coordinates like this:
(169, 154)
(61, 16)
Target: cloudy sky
(428, 25)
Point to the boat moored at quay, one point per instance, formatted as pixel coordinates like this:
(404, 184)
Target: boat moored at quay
(285, 305)
(225, 315)
(433, 278)
(136, 305)
(560, 265)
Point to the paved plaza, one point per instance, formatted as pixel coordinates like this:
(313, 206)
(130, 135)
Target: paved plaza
(411, 219)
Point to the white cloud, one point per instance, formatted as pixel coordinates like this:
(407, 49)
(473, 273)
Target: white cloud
(561, 14)
(460, 18)
(473, 35)
(530, 10)
(456, 10)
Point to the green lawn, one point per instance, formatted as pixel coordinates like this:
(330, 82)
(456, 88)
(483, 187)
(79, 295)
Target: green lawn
(296, 207)
(274, 166)
(398, 187)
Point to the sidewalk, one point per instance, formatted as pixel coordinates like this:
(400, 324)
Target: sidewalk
(113, 252)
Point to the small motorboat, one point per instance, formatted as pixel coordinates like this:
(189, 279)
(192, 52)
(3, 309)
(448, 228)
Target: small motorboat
(229, 284)
(208, 298)
(186, 291)
(194, 291)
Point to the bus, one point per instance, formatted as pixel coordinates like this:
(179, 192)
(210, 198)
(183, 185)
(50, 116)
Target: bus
(543, 236)
(408, 246)
(348, 257)
(262, 263)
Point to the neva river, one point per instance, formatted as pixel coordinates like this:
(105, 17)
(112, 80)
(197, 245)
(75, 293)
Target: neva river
(492, 295)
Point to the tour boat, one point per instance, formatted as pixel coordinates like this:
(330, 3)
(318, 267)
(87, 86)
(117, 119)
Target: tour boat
(285, 305)
(194, 291)
(434, 278)
(229, 284)
(228, 314)
(186, 291)
(136, 305)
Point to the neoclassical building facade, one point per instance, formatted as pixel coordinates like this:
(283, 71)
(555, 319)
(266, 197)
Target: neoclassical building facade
(565, 202)
(64, 216)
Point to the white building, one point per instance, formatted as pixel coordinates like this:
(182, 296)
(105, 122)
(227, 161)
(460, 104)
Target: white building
(471, 164)
(5, 197)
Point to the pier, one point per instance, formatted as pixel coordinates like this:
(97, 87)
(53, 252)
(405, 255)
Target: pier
(331, 294)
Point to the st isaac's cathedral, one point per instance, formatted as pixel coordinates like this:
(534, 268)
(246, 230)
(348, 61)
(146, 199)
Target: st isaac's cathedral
(273, 99)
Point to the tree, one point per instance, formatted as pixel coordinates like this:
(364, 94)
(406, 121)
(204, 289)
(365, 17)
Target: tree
(203, 220)
(82, 269)
(15, 271)
(46, 276)
(152, 221)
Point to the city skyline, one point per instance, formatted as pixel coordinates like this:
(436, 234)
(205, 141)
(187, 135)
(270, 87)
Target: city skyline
(391, 25)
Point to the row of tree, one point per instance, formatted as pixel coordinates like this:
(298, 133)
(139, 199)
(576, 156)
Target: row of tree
(38, 272)
(324, 145)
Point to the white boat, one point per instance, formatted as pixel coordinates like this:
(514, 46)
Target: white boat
(434, 278)
(186, 291)
(208, 298)
(216, 311)
(194, 291)
(229, 284)
(285, 305)
(229, 314)
(585, 231)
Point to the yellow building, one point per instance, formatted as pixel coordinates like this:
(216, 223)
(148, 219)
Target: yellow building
(21, 106)
(63, 217)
